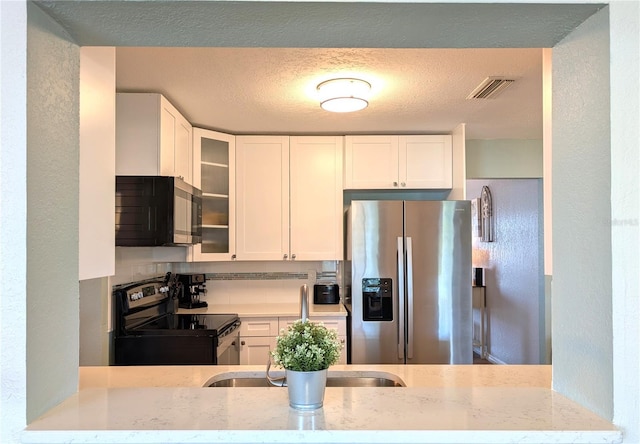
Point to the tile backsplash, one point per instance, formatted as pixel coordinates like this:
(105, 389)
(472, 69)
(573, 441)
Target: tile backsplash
(260, 276)
(233, 282)
(256, 282)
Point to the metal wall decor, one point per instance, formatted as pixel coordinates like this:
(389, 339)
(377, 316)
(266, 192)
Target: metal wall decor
(486, 209)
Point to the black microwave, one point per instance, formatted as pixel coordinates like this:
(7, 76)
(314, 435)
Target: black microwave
(156, 211)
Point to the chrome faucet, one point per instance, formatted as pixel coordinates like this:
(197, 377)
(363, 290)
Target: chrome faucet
(304, 303)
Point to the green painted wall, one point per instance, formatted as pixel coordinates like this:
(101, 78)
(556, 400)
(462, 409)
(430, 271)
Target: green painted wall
(504, 158)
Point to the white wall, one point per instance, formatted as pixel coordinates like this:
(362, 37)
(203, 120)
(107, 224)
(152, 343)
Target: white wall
(581, 305)
(513, 269)
(624, 20)
(97, 161)
(13, 218)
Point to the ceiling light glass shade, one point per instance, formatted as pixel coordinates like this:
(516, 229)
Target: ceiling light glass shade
(344, 95)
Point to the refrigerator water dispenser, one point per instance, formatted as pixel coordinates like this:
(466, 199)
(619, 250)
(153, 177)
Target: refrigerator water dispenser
(377, 298)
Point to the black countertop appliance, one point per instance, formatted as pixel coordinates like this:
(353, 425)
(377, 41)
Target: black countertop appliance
(193, 285)
(326, 294)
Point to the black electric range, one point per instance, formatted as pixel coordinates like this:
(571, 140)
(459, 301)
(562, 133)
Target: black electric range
(187, 324)
(149, 332)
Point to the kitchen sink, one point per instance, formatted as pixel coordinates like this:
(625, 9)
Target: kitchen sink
(334, 379)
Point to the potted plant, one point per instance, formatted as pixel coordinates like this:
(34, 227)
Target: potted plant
(306, 350)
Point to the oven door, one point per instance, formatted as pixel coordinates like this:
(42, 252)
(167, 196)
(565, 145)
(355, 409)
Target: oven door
(228, 352)
(165, 349)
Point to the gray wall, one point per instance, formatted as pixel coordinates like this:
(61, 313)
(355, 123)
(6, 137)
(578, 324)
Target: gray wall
(513, 270)
(581, 302)
(52, 213)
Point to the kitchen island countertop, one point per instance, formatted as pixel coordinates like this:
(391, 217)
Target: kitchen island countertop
(443, 404)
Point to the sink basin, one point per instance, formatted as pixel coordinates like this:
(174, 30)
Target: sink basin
(334, 379)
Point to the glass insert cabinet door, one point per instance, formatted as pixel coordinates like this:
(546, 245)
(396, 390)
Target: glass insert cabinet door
(214, 174)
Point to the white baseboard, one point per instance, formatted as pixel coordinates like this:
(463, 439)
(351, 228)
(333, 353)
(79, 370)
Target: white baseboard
(488, 357)
(494, 360)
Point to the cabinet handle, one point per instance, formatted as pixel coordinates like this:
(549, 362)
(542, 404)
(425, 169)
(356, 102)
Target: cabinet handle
(285, 256)
(342, 341)
(395, 184)
(233, 257)
(242, 343)
(402, 184)
(293, 256)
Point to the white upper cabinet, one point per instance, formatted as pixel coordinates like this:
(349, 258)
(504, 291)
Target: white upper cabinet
(371, 162)
(398, 162)
(425, 162)
(214, 156)
(152, 137)
(262, 197)
(289, 198)
(315, 194)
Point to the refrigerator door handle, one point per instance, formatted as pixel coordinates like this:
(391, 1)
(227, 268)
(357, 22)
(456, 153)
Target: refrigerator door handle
(409, 299)
(400, 297)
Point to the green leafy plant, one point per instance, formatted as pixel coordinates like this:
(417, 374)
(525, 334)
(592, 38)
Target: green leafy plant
(306, 347)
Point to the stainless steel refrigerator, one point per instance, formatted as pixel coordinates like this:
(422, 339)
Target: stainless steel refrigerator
(409, 271)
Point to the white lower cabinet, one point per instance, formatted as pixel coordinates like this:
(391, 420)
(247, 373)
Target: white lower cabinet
(258, 336)
(339, 324)
(254, 350)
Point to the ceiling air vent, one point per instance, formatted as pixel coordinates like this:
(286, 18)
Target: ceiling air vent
(490, 88)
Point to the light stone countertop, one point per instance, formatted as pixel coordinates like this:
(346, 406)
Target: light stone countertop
(269, 310)
(441, 404)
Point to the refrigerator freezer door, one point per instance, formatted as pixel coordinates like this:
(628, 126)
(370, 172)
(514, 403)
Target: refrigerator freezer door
(440, 235)
(373, 242)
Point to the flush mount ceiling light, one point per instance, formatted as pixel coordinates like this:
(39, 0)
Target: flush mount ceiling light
(344, 95)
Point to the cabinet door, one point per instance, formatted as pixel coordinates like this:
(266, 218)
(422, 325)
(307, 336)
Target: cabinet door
(259, 327)
(254, 350)
(183, 153)
(315, 206)
(168, 122)
(425, 162)
(175, 143)
(214, 157)
(285, 322)
(371, 162)
(339, 324)
(262, 197)
(152, 137)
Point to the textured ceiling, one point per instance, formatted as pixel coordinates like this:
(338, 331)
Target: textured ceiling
(272, 90)
(285, 48)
